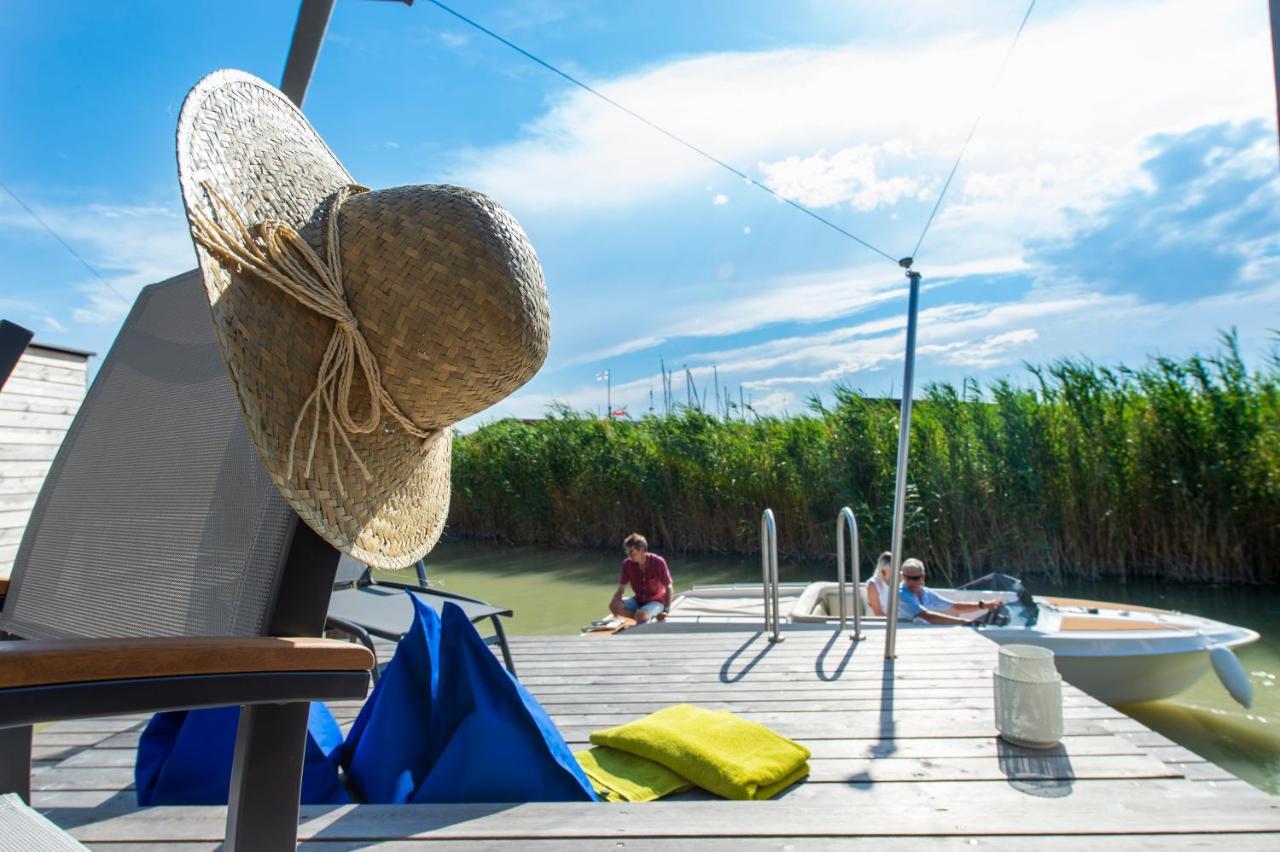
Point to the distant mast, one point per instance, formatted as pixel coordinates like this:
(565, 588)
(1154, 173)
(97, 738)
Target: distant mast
(1275, 57)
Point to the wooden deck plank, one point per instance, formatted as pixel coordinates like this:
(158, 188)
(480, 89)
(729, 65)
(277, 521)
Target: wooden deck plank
(620, 705)
(823, 771)
(964, 808)
(884, 730)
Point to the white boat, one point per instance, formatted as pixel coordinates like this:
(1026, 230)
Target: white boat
(1119, 653)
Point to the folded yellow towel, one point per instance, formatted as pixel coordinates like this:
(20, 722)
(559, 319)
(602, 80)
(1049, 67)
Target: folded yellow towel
(623, 777)
(714, 749)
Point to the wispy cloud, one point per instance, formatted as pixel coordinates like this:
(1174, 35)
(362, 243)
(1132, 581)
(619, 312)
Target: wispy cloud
(130, 246)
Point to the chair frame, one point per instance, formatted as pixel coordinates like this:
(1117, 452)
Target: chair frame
(267, 768)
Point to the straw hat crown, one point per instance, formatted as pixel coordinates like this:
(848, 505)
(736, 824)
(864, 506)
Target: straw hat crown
(357, 325)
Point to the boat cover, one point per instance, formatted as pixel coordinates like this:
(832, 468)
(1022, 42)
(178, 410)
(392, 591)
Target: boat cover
(184, 758)
(447, 723)
(995, 582)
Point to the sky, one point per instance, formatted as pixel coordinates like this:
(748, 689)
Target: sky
(1119, 199)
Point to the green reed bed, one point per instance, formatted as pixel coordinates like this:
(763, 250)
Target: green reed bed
(1171, 470)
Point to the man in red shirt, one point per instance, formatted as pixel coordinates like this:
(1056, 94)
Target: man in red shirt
(650, 579)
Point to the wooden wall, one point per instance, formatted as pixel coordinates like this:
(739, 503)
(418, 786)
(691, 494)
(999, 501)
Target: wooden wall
(37, 405)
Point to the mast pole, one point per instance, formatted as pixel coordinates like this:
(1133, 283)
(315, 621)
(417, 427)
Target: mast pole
(1275, 52)
(904, 446)
(308, 34)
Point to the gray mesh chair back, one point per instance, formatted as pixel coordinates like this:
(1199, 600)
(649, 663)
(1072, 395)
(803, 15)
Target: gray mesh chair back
(156, 519)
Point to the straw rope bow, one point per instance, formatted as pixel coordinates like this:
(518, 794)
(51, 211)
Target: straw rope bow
(276, 253)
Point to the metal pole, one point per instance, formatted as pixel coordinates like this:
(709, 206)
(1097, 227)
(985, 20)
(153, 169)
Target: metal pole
(608, 391)
(846, 518)
(1275, 52)
(904, 446)
(308, 34)
(769, 573)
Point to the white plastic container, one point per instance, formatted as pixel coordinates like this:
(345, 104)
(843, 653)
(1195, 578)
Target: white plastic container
(1028, 691)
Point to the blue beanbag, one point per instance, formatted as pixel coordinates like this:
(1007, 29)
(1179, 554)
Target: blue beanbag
(184, 758)
(447, 723)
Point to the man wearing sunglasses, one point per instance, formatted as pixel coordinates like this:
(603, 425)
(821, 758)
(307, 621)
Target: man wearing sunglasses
(917, 602)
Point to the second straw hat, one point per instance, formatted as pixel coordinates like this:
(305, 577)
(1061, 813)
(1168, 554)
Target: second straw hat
(357, 326)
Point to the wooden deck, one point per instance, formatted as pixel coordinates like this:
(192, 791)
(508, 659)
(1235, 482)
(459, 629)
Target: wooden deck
(903, 754)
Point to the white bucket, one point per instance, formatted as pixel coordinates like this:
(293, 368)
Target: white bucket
(1028, 693)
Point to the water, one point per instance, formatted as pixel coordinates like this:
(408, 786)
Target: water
(557, 591)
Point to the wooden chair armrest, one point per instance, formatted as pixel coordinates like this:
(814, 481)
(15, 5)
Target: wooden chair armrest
(42, 662)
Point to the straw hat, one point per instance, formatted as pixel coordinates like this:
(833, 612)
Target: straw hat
(357, 325)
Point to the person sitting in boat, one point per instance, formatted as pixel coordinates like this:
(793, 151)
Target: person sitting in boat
(917, 602)
(878, 585)
(650, 580)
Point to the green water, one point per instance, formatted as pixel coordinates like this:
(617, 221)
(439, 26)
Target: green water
(557, 591)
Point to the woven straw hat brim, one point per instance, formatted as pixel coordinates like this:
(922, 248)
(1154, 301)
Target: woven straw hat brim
(242, 137)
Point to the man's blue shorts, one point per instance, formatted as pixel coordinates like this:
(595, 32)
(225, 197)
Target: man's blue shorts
(654, 608)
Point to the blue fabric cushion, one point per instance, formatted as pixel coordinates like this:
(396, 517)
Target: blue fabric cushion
(184, 758)
(447, 723)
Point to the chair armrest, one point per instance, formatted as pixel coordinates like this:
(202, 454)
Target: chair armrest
(43, 662)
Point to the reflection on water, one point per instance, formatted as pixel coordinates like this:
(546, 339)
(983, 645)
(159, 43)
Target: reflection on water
(558, 591)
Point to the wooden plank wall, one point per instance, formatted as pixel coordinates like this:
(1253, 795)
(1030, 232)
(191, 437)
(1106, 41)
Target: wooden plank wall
(37, 405)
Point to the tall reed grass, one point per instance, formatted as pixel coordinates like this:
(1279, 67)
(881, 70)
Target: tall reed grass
(1172, 469)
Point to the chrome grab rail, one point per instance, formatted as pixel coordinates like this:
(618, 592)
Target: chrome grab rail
(769, 571)
(846, 519)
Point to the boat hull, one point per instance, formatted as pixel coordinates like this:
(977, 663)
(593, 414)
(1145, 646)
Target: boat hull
(1118, 653)
(1132, 678)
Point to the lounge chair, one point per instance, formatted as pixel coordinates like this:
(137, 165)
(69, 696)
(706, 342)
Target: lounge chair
(363, 607)
(159, 568)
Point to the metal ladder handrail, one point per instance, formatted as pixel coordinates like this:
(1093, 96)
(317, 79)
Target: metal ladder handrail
(846, 518)
(769, 571)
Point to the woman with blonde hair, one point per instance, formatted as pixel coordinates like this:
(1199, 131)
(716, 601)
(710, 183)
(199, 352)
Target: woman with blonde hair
(878, 585)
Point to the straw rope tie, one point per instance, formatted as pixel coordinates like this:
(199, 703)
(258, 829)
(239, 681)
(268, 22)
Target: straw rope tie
(277, 254)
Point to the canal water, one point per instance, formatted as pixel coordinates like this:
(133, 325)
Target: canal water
(555, 591)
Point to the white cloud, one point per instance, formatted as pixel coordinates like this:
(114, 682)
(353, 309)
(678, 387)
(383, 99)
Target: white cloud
(719, 199)
(621, 348)
(130, 246)
(987, 352)
(847, 176)
(1065, 134)
(53, 324)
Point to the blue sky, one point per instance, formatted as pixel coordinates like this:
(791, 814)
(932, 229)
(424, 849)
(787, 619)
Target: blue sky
(1119, 199)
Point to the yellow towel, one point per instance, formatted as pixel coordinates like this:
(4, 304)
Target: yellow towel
(623, 777)
(714, 749)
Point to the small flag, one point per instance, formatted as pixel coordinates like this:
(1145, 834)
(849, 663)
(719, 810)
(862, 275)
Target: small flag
(601, 376)
(619, 412)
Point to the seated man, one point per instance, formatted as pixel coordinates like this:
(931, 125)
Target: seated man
(917, 602)
(650, 579)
